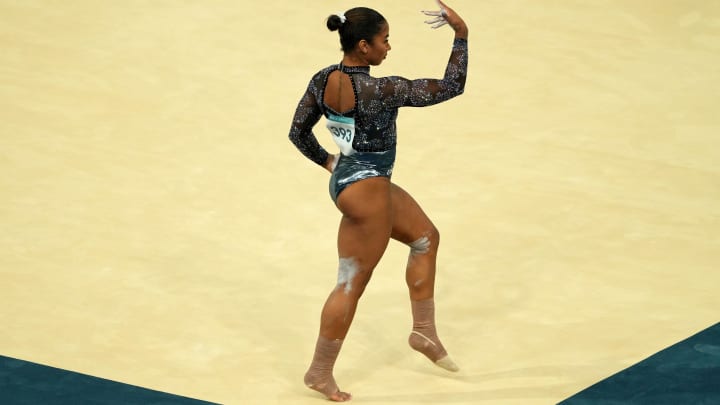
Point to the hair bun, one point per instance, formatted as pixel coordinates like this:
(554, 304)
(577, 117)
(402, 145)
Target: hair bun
(334, 22)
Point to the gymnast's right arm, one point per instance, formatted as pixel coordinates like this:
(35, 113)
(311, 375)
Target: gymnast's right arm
(301, 135)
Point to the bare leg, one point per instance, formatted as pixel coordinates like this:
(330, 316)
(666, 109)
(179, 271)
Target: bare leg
(412, 227)
(362, 238)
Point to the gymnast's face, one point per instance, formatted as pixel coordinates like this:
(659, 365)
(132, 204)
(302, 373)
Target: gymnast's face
(377, 49)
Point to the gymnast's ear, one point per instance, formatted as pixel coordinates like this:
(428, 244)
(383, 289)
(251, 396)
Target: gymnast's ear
(363, 46)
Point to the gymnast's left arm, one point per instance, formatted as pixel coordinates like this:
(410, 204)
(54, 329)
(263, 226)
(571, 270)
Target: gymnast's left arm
(402, 92)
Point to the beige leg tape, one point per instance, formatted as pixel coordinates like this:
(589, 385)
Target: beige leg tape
(319, 377)
(424, 335)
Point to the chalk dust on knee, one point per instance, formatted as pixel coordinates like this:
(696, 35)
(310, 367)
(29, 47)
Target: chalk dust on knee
(347, 270)
(420, 246)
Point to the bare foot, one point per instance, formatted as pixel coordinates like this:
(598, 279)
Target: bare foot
(327, 387)
(432, 350)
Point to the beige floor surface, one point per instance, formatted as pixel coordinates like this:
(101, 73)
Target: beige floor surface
(159, 229)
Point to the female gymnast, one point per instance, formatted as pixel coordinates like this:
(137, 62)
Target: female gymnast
(361, 111)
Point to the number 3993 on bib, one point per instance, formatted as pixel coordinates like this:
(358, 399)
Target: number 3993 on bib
(343, 132)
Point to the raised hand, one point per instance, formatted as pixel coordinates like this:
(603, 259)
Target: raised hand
(447, 16)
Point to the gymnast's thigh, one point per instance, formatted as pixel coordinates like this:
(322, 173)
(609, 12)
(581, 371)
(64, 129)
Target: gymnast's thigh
(409, 221)
(366, 222)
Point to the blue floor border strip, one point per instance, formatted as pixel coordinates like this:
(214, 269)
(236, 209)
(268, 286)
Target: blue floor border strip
(686, 373)
(27, 383)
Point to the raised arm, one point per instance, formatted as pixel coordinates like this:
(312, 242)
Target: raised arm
(424, 92)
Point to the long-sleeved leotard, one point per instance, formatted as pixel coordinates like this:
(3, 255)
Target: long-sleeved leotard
(377, 101)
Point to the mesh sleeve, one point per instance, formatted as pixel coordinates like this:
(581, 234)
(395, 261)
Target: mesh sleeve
(307, 114)
(400, 92)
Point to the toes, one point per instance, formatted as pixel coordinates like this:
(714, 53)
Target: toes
(340, 396)
(447, 363)
(329, 389)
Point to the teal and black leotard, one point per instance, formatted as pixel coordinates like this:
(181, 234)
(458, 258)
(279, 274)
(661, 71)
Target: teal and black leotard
(377, 101)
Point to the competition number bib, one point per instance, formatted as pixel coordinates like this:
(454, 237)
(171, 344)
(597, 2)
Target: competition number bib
(343, 132)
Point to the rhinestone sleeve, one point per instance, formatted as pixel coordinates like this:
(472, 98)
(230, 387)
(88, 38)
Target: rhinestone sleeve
(377, 103)
(401, 92)
(307, 114)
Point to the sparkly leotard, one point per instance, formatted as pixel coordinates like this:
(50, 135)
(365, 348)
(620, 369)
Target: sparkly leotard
(377, 101)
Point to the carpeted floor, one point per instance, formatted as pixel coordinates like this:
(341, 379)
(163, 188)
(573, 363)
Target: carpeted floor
(26, 383)
(686, 373)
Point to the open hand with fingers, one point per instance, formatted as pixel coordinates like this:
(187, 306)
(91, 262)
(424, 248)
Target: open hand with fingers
(447, 16)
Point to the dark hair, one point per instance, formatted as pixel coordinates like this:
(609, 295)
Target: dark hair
(360, 23)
